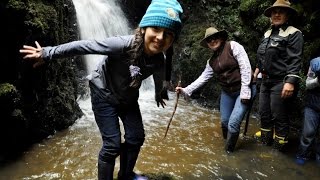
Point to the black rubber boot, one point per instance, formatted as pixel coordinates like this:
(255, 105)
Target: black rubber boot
(128, 157)
(105, 170)
(232, 139)
(279, 143)
(267, 136)
(224, 132)
(123, 162)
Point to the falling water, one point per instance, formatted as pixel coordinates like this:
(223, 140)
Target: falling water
(99, 19)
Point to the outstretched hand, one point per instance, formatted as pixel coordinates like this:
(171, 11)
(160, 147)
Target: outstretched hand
(33, 53)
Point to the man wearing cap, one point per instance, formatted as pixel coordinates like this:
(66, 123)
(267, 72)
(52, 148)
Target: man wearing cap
(279, 58)
(231, 64)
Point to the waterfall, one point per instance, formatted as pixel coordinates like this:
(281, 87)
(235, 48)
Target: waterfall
(98, 19)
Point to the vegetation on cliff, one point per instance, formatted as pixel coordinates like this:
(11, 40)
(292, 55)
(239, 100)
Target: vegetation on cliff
(36, 102)
(246, 24)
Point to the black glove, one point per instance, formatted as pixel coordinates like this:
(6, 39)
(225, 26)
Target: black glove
(164, 94)
(159, 99)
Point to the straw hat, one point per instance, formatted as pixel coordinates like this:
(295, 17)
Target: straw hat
(211, 31)
(280, 4)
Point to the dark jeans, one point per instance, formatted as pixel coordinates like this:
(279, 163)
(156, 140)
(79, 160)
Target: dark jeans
(309, 133)
(274, 110)
(107, 119)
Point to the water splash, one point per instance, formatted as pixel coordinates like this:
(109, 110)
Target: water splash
(99, 19)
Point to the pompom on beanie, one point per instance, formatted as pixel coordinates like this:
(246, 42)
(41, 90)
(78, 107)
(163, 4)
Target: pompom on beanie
(165, 14)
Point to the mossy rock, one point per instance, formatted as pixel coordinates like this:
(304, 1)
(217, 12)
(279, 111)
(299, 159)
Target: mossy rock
(6, 89)
(38, 15)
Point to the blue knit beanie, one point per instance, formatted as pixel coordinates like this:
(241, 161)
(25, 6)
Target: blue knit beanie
(163, 13)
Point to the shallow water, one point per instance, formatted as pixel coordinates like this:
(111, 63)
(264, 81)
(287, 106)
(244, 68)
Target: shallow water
(193, 149)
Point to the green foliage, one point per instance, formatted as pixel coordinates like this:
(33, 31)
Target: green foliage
(245, 23)
(311, 49)
(38, 16)
(6, 88)
(253, 8)
(261, 23)
(315, 17)
(248, 5)
(14, 4)
(193, 56)
(299, 8)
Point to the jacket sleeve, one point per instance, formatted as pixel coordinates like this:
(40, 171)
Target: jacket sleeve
(107, 46)
(315, 65)
(312, 80)
(159, 77)
(202, 79)
(294, 53)
(241, 56)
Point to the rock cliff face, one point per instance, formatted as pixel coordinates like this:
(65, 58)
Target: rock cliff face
(134, 10)
(35, 102)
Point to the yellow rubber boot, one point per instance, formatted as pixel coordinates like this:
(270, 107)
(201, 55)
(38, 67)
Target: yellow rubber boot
(257, 135)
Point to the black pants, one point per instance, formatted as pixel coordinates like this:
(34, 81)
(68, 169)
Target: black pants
(274, 110)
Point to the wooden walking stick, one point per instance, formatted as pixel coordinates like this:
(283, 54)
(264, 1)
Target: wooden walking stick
(174, 110)
(247, 119)
(248, 114)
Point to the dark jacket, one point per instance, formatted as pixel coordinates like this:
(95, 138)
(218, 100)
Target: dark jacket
(112, 76)
(312, 98)
(279, 53)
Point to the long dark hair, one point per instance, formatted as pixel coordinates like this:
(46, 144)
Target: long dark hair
(135, 54)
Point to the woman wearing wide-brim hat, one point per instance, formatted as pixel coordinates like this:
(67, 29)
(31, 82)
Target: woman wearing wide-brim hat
(231, 64)
(279, 61)
(211, 33)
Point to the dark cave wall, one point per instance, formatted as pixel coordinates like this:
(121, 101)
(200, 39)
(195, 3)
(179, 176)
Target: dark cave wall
(35, 101)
